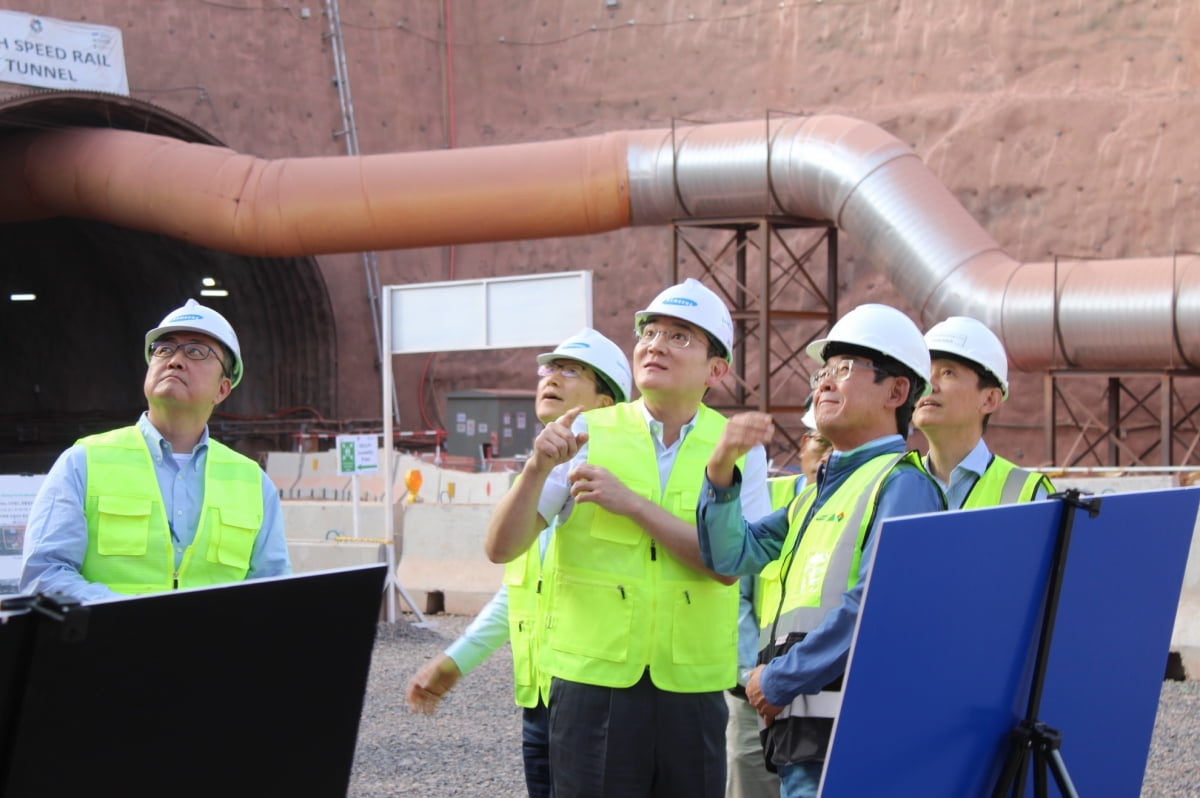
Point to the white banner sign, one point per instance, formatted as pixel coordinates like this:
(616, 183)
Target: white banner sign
(55, 54)
(358, 454)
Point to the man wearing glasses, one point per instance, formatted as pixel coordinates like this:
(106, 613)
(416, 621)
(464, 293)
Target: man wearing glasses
(813, 557)
(159, 505)
(587, 370)
(641, 636)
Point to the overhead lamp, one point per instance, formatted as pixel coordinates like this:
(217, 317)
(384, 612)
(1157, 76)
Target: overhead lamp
(22, 297)
(213, 292)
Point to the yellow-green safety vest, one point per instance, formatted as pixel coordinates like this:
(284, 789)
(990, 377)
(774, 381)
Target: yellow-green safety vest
(813, 570)
(620, 603)
(129, 541)
(526, 579)
(782, 490)
(1004, 482)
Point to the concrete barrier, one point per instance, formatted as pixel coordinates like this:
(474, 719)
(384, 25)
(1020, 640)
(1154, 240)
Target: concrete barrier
(442, 554)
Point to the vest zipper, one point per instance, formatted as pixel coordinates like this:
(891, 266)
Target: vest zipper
(653, 551)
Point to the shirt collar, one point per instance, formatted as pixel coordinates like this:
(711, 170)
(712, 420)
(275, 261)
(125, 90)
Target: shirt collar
(656, 426)
(976, 461)
(158, 445)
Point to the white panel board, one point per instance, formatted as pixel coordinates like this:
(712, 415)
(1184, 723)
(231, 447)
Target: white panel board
(496, 313)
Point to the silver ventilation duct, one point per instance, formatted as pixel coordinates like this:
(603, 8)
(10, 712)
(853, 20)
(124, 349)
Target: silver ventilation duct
(1136, 313)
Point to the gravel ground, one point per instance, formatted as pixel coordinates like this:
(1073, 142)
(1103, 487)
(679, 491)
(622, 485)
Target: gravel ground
(472, 746)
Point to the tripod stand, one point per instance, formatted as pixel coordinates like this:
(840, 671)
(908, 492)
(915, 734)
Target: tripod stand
(1032, 742)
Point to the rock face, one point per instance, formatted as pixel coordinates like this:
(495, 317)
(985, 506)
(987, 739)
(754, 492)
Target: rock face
(1065, 129)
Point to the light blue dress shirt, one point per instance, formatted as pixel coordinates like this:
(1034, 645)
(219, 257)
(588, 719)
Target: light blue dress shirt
(967, 473)
(731, 545)
(56, 535)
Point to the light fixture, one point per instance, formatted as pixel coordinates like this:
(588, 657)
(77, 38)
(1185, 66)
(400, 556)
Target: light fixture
(22, 297)
(213, 292)
(207, 282)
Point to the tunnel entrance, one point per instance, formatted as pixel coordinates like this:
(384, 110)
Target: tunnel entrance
(74, 352)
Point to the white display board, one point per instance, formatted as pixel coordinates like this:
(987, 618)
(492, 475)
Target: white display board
(494, 313)
(499, 313)
(16, 497)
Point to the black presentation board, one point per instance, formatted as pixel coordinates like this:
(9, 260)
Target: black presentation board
(254, 689)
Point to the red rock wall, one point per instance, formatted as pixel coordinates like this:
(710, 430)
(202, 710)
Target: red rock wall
(1064, 128)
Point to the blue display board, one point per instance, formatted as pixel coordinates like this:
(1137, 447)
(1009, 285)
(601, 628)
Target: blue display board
(940, 670)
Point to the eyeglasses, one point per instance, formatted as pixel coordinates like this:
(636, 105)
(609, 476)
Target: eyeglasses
(676, 339)
(192, 351)
(841, 372)
(568, 372)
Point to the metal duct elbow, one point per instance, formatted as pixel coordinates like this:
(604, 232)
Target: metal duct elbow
(1127, 314)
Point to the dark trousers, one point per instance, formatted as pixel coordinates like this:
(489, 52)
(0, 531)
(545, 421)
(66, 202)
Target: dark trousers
(636, 742)
(535, 746)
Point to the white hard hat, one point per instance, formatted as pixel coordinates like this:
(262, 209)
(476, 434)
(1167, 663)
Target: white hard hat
(694, 303)
(971, 340)
(809, 419)
(883, 329)
(590, 347)
(194, 317)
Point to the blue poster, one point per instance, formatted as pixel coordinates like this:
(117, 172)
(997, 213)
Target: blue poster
(941, 667)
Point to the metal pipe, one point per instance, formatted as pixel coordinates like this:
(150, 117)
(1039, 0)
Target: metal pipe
(1135, 313)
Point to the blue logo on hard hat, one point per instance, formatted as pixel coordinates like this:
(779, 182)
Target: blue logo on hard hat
(679, 300)
(576, 345)
(187, 317)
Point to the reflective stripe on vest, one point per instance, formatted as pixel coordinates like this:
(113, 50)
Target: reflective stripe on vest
(1004, 482)
(527, 581)
(129, 540)
(822, 564)
(621, 603)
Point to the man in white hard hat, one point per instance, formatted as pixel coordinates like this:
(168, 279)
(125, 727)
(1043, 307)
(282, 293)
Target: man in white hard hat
(970, 380)
(747, 777)
(641, 636)
(873, 368)
(159, 505)
(587, 370)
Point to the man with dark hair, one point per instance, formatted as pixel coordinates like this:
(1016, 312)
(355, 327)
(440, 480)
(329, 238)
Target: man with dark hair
(641, 636)
(586, 370)
(970, 380)
(159, 505)
(813, 557)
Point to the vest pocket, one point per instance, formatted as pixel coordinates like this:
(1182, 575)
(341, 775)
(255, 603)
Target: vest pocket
(704, 626)
(592, 618)
(617, 528)
(233, 539)
(524, 655)
(122, 526)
